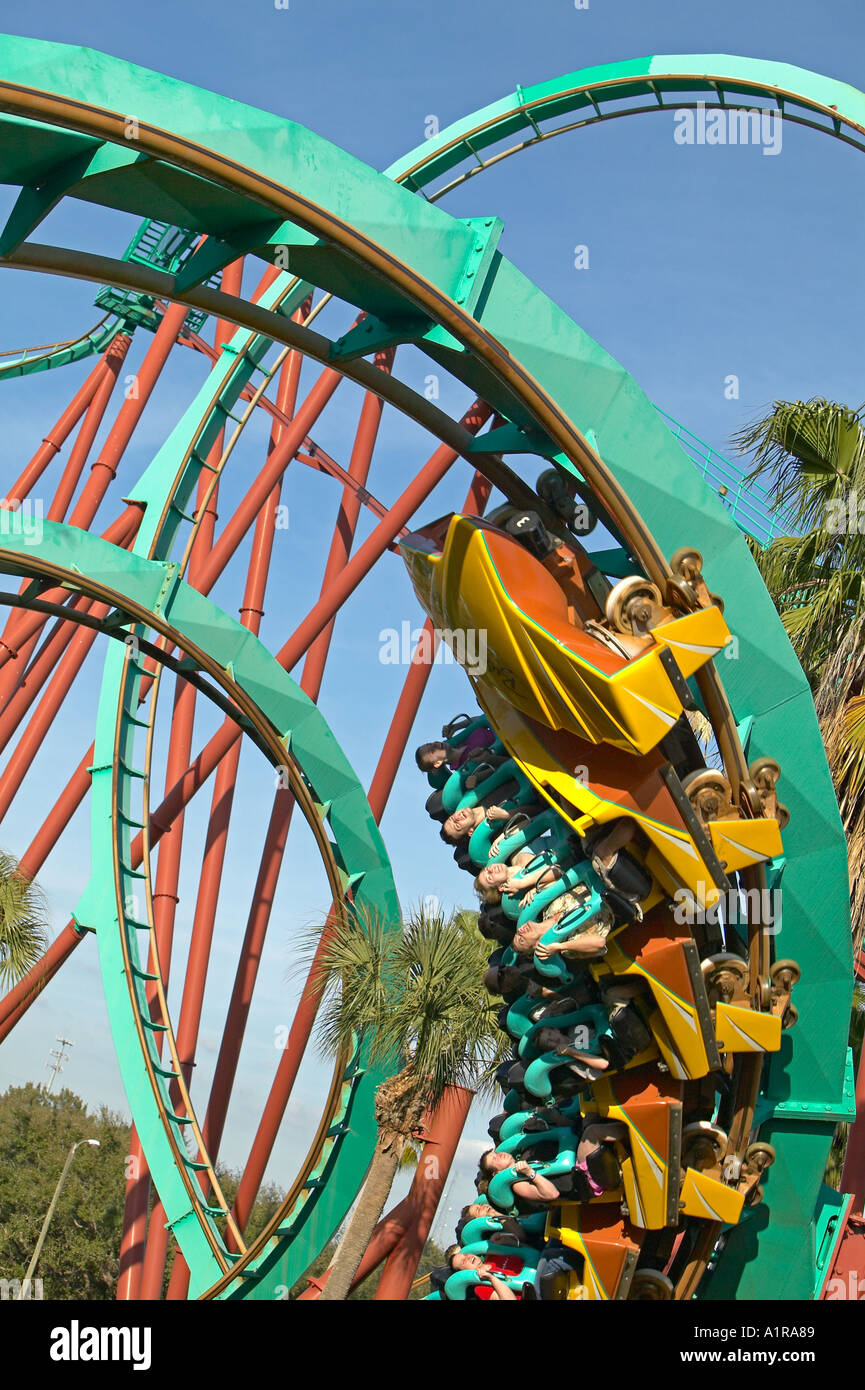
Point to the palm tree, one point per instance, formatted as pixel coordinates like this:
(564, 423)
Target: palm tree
(835, 1161)
(414, 998)
(23, 926)
(811, 458)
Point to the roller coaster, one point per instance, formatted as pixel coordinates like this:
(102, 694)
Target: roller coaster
(698, 1070)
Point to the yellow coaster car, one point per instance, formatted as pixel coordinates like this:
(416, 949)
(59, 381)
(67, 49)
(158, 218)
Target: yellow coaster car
(656, 950)
(651, 1107)
(657, 1190)
(627, 691)
(591, 786)
(609, 1246)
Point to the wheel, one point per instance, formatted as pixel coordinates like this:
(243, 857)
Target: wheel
(760, 1154)
(688, 588)
(754, 1197)
(703, 1144)
(790, 1017)
(763, 1000)
(651, 1284)
(764, 774)
(687, 562)
(784, 967)
(681, 596)
(631, 605)
(709, 793)
(727, 963)
(500, 515)
(766, 769)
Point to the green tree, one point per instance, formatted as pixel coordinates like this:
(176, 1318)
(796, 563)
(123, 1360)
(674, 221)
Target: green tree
(415, 999)
(810, 455)
(80, 1257)
(23, 921)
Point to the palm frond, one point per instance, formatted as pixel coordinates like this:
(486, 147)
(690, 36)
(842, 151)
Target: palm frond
(415, 998)
(840, 705)
(23, 921)
(351, 963)
(808, 454)
(817, 593)
(701, 726)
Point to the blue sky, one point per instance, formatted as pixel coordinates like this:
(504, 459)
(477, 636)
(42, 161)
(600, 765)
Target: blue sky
(703, 262)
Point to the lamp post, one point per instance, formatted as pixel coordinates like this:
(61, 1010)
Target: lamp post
(25, 1283)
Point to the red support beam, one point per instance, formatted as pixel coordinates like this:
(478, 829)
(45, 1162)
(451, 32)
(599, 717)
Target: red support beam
(393, 750)
(28, 746)
(56, 438)
(79, 640)
(114, 359)
(15, 1003)
(845, 1276)
(228, 733)
(104, 469)
(445, 1132)
(165, 892)
(97, 391)
(280, 819)
(65, 634)
(307, 1008)
(290, 440)
(384, 1238)
(407, 1227)
(377, 543)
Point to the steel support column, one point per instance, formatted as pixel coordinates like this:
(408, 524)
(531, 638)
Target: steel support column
(305, 1013)
(104, 469)
(277, 832)
(165, 893)
(445, 1132)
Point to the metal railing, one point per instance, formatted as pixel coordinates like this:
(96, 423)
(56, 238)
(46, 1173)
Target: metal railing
(749, 504)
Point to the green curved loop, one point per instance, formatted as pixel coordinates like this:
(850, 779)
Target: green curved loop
(597, 89)
(88, 345)
(766, 687)
(132, 583)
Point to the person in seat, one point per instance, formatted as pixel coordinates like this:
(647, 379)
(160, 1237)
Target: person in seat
(495, 880)
(532, 1187)
(626, 1034)
(429, 757)
(585, 945)
(507, 1231)
(460, 824)
(488, 1269)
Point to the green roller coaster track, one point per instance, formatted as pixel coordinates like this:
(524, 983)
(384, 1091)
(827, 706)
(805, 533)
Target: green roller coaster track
(80, 124)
